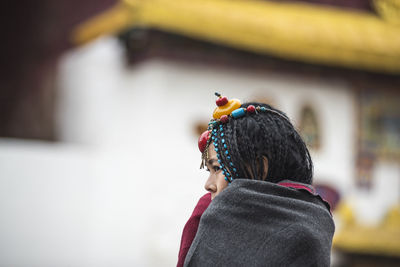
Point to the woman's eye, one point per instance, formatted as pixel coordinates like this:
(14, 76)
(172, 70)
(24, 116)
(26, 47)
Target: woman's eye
(214, 168)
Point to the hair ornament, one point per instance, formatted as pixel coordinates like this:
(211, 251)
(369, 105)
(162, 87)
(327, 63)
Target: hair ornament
(225, 106)
(251, 109)
(223, 113)
(203, 139)
(224, 118)
(238, 113)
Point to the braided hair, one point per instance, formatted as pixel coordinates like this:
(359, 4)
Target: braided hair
(266, 138)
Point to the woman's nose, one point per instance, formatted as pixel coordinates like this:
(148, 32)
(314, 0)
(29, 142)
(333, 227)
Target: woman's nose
(210, 185)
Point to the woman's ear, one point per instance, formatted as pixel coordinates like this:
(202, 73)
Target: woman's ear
(260, 169)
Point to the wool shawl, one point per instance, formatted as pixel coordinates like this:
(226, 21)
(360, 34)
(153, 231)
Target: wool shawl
(258, 223)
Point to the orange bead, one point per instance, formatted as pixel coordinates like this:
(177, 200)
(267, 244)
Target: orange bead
(227, 108)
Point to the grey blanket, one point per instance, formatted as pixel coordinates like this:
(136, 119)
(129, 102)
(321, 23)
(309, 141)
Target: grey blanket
(257, 223)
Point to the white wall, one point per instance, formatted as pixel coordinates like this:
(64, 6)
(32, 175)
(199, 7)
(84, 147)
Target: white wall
(119, 188)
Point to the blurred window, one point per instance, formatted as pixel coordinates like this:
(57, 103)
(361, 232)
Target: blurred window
(309, 127)
(380, 124)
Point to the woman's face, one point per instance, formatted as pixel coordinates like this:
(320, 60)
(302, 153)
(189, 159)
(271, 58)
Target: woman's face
(216, 180)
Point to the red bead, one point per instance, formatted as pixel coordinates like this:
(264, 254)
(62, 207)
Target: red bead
(221, 101)
(203, 140)
(224, 119)
(251, 109)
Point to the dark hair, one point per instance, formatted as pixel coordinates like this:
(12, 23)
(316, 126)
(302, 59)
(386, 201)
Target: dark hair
(269, 134)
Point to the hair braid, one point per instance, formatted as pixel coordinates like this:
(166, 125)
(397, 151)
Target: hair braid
(234, 149)
(248, 148)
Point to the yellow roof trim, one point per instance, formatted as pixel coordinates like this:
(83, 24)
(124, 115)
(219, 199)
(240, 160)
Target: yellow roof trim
(368, 240)
(295, 31)
(382, 239)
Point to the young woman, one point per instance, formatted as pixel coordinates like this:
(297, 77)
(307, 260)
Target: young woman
(264, 211)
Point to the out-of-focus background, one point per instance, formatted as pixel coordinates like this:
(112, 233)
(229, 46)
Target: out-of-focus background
(102, 102)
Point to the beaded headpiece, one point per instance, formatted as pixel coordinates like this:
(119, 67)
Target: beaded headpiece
(225, 111)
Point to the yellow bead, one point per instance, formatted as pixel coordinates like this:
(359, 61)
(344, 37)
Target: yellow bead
(227, 108)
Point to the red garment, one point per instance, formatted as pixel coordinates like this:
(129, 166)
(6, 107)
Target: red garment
(190, 229)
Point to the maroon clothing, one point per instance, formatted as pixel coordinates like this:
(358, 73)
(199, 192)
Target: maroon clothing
(190, 230)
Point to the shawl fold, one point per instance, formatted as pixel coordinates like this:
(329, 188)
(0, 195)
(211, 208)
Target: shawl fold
(258, 223)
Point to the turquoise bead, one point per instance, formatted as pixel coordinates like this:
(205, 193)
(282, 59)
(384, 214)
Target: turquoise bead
(237, 113)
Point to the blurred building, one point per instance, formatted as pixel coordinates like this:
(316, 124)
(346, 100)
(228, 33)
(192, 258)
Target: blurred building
(128, 107)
